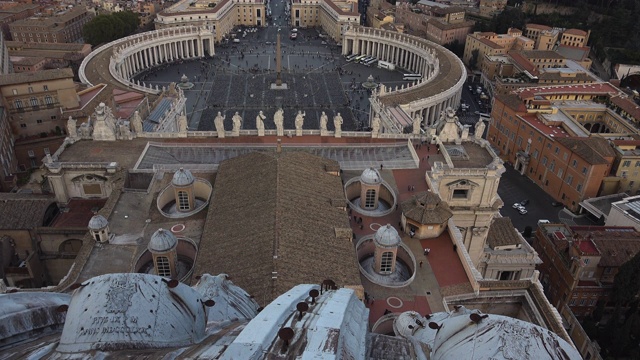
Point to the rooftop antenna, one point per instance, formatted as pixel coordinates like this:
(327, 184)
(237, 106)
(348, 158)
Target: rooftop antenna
(285, 334)
(302, 308)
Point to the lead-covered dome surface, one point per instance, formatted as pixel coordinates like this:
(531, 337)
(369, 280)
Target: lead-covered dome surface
(387, 236)
(132, 311)
(182, 177)
(371, 176)
(98, 222)
(162, 240)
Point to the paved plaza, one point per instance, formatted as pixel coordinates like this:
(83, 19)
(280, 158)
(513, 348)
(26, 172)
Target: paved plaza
(239, 77)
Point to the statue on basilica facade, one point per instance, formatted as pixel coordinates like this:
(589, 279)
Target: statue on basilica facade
(237, 122)
(219, 123)
(337, 123)
(323, 124)
(299, 122)
(260, 123)
(278, 119)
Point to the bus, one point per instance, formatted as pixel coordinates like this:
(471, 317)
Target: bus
(351, 57)
(386, 65)
(359, 57)
(411, 77)
(371, 62)
(366, 60)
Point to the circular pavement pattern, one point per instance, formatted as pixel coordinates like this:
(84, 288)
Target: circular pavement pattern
(394, 302)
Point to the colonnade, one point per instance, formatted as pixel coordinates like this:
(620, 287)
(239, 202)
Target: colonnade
(443, 74)
(162, 46)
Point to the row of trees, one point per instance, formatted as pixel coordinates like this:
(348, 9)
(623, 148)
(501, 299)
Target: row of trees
(105, 28)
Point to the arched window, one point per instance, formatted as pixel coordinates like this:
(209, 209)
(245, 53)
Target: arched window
(162, 266)
(48, 100)
(370, 199)
(183, 200)
(386, 262)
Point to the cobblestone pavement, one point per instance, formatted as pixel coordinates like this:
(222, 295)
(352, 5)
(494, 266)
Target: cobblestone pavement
(239, 76)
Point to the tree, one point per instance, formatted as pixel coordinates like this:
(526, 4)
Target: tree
(508, 18)
(106, 28)
(455, 47)
(626, 284)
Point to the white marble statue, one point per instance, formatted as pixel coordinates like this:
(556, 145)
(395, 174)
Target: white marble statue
(278, 119)
(237, 123)
(219, 123)
(182, 123)
(323, 124)
(416, 125)
(72, 131)
(480, 126)
(299, 122)
(375, 126)
(337, 123)
(260, 123)
(136, 122)
(104, 128)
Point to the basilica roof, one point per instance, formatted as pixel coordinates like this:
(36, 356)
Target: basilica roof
(426, 208)
(272, 220)
(23, 211)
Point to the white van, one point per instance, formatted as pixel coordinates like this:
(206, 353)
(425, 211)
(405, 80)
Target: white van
(386, 65)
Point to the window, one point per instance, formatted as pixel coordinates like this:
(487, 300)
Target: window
(39, 121)
(564, 156)
(162, 266)
(460, 193)
(574, 163)
(626, 163)
(637, 163)
(579, 187)
(48, 100)
(23, 125)
(46, 151)
(34, 101)
(18, 104)
(569, 179)
(552, 167)
(584, 170)
(30, 90)
(535, 154)
(560, 172)
(31, 153)
(582, 302)
(15, 91)
(370, 199)
(183, 200)
(544, 160)
(556, 151)
(386, 262)
(45, 87)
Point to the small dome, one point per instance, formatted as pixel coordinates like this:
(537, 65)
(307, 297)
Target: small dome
(371, 176)
(98, 222)
(162, 240)
(182, 177)
(387, 236)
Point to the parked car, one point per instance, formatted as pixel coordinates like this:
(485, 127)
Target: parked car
(517, 205)
(524, 202)
(522, 211)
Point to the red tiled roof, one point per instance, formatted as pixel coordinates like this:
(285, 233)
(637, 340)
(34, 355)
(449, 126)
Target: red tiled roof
(553, 131)
(587, 247)
(79, 214)
(575, 32)
(490, 43)
(627, 142)
(538, 27)
(523, 62)
(628, 105)
(593, 88)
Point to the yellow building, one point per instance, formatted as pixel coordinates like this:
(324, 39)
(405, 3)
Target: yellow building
(492, 44)
(331, 15)
(221, 16)
(575, 37)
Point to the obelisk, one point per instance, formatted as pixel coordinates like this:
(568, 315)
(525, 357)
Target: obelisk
(278, 85)
(278, 62)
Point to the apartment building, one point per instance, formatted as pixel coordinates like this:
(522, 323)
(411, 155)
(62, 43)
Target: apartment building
(555, 136)
(8, 162)
(63, 26)
(626, 168)
(12, 11)
(331, 15)
(33, 101)
(492, 44)
(579, 263)
(439, 23)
